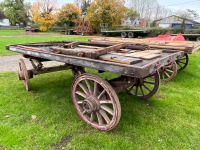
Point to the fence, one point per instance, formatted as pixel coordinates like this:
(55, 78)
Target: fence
(10, 28)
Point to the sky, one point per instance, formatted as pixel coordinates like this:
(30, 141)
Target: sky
(194, 4)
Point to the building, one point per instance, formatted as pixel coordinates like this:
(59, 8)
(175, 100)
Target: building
(175, 21)
(5, 22)
(135, 22)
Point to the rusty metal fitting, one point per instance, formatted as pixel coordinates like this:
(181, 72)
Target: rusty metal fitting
(178, 56)
(157, 65)
(169, 60)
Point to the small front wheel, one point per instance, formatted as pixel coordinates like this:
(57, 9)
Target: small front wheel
(145, 87)
(182, 62)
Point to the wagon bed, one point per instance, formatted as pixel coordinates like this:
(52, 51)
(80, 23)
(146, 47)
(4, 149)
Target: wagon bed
(186, 46)
(95, 98)
(139, 70)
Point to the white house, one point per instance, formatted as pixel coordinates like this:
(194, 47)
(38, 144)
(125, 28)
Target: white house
(5, 22)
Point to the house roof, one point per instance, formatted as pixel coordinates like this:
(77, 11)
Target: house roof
(190, 20)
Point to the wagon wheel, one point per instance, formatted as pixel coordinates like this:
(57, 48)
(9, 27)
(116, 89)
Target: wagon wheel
(24, 74)
(182, 62)
(78, 71)
(168, 72)
(97, 106)
(145, 87)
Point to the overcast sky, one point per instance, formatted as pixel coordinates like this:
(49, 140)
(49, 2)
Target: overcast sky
(194, 4)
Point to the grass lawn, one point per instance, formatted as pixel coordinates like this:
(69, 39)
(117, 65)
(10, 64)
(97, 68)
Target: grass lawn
(11, 32)
(18, 40)
(170, 121)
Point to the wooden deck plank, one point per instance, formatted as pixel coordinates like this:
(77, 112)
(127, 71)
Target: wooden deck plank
(120, 59)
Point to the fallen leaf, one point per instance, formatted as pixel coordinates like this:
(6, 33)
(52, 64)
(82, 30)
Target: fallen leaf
(33, 117)
(20, 115)
(7, 116)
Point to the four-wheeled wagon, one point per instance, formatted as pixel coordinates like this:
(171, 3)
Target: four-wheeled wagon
(94, 97)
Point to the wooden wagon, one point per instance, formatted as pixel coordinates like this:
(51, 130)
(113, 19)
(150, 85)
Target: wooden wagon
(94, 97)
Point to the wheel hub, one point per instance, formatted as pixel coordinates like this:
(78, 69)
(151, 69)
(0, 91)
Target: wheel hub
(21, 75)
(91, 104)
(140, 81)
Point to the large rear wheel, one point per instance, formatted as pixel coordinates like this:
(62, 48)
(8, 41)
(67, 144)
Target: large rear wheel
(96, 101)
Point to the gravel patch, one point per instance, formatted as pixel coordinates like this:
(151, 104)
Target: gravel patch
(11, 63)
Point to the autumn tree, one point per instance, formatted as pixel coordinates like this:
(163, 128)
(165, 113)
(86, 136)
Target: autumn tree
(43, 12)
(68, 14)
(106, 11)
(132, 13)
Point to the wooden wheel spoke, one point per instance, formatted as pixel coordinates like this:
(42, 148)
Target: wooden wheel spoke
(79, 102)
(105, 102)
(142, 90)
(167, 74)
(149, 82)
(169, 70)
(106, 108)
(89, 86)
(182, 59)
(147, 87)
(92, 117)
(182, 62)
(131, 88)
(179, 65)
(102, 93)
(136, 90)
(100, 120)
(105, 116)
(163, 75)
(81, 94)
(84, 89)
(84, 112)
(95, 89)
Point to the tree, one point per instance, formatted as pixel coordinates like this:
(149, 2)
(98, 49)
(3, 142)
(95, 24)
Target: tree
(131, 13)
(68, 14)
(149, 9)
(106, 11)
(43, 12)
(2, 6)
(85, 7)
(12, 15)
(186, 14)
(79, 3)
(16, 11)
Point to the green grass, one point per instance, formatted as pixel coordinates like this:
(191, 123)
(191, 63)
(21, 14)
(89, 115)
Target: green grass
(19, 40)
(11, 32)
(171, 121)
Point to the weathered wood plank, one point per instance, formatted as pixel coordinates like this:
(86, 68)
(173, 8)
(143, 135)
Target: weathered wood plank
(152, 56)
(120, 59)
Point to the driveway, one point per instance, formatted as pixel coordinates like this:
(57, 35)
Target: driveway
(11, 63)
